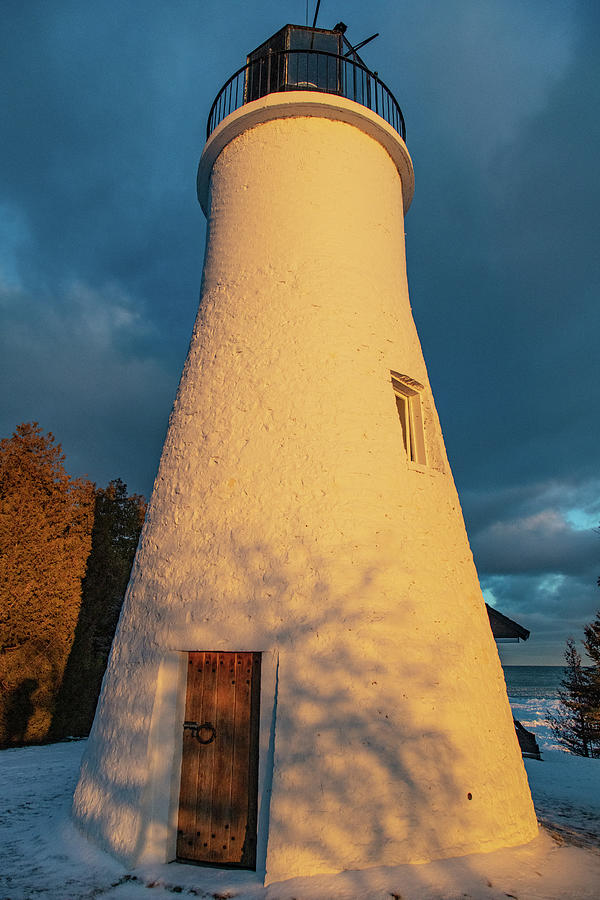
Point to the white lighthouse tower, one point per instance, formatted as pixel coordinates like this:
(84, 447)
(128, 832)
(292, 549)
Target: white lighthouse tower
(304, 679)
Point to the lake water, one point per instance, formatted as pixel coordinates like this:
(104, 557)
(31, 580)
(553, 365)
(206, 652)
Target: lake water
(532, 690)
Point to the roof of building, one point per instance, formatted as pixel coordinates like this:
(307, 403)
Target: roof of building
(504, 628)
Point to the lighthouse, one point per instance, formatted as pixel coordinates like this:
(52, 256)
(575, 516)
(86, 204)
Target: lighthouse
(303, 678)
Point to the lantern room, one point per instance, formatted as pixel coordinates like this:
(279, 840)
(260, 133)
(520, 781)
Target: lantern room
(296, 58)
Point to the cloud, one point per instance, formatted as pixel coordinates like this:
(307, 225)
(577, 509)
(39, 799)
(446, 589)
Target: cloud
(577, 501)
(77, 364)
(552, 608)
(505, 278)
(538, 528)
(543, 543)
(537, 551)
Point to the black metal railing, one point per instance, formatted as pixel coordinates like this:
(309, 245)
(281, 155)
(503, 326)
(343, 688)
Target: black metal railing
(306, 70)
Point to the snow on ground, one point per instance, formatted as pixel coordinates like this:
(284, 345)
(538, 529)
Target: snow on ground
(43, 856)
(566, 793)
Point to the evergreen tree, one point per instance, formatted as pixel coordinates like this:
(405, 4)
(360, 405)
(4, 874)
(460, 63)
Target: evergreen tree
(597, 530)
(576, 724)
(592, 648)
(45, 538)
(118, 519)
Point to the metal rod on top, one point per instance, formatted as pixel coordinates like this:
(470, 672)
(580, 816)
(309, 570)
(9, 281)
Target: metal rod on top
(361, 44)
(314, 24)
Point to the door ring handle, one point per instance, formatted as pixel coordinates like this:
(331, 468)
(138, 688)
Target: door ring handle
(196, 728)
(206, 726)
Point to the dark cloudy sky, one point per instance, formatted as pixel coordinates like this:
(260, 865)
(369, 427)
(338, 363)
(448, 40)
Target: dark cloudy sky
(104, 109)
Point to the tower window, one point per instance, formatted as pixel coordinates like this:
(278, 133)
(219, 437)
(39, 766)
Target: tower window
(408, 403)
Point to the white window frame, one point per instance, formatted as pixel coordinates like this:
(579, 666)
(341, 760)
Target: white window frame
(407, 392)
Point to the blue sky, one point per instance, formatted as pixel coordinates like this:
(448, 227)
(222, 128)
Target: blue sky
(101, 244)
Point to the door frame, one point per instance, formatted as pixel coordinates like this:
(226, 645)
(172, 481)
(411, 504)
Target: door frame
(165, 746)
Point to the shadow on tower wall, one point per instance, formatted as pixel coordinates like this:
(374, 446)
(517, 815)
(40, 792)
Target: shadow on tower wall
(377, 753)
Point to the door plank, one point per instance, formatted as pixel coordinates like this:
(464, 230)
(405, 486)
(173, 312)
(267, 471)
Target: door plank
(206, 758)
(221, 792)
(190, 761)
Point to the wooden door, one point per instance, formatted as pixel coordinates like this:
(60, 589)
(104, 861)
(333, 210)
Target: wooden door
(219, 768)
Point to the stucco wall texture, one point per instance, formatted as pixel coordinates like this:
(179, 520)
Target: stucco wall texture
(287, 518)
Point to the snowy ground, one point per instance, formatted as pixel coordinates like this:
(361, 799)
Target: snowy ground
(42, 855)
